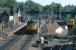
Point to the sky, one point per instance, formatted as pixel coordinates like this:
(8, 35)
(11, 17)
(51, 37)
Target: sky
(47, 2)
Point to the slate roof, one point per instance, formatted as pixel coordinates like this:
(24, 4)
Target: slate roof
(4, 10)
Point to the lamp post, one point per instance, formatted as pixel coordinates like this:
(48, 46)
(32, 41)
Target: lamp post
(2, 25)
(60, 13)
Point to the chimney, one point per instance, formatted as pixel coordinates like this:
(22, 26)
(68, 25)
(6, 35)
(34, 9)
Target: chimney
(11, 10)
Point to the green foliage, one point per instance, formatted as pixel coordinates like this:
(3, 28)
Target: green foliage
(7, 3)
(68, 8)
(54, 6)
(47, 8)
(20, 5)
(31, 6)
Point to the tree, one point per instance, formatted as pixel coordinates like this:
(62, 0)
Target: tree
(54, 6)
(20, 5)
(31, 6)
(57, 7)
(68, 8)
(7, 3)
(47, 8)
(11, 2)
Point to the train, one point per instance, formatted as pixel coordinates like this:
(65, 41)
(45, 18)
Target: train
(32, 26)
(70, 23)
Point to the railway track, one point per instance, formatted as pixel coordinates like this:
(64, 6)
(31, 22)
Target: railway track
(10, 42)
(27, 42)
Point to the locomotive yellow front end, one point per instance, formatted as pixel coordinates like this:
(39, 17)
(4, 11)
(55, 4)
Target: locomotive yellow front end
(32, 27)
(70, 23)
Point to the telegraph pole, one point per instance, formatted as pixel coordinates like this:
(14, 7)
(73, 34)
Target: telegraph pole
(52, 13)
(52, 19)
(39, 29)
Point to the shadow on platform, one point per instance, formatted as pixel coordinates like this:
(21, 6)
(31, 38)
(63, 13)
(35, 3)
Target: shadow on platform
(23, 31)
